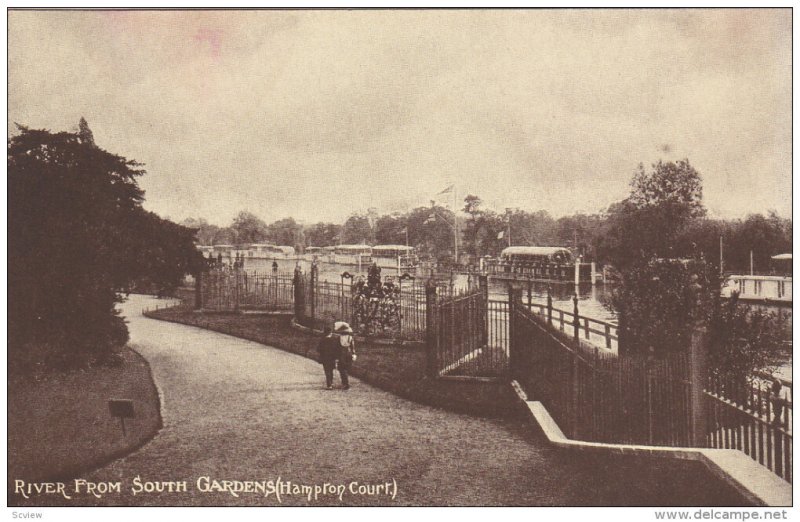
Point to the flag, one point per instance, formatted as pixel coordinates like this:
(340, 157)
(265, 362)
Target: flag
(501, 234)
(448, 190)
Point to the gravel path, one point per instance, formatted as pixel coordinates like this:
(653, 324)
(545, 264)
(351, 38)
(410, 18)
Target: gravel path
(237, 410)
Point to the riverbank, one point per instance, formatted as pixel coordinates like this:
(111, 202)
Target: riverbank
(59, 424)
(399, 369)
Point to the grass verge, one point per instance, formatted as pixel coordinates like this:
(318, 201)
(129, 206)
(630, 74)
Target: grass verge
(59, 425)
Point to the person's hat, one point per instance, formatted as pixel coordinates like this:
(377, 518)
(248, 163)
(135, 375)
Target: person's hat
(342, 327)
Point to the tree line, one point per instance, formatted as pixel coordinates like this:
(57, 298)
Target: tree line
(659, 240)
(615, 236)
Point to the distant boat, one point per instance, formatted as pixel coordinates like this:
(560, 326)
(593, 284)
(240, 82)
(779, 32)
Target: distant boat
(536, 263)
(401, 257)
(354, 255)
(763, 288)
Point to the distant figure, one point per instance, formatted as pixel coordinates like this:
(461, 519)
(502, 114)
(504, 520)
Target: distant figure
(274, 266)
(347, 351)
(374, 280)
(328, 350)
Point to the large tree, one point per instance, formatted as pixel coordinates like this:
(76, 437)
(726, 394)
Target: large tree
(662, 203)
(764, 236)
(249, 228)
(431, 232)
(322, 234)
(77, 235)
(287, 232)
(206, 232)
(659, 296)
(357, 230)
(391, 229)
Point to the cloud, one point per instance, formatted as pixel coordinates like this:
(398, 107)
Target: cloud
(316, 114)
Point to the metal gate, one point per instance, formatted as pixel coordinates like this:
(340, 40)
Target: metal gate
(467, 337)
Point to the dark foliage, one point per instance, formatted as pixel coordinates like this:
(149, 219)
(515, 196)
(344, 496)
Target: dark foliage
(659, 304)
(744, 338)
(78, 235)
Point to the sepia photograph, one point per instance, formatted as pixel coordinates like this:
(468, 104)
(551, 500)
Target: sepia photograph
(430, 257)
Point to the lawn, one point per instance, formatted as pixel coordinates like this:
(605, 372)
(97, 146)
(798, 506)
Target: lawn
(59, 424)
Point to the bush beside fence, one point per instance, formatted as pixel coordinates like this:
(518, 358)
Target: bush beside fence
(671, 401)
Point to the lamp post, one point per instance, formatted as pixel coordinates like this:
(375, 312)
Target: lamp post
(345, 275)
(508, 224)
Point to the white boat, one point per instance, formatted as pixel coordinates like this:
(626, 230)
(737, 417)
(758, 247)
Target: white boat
(271, 251)
(356, 255)
(312, 253)
(401, 257)
(772, 288)
(763, 288)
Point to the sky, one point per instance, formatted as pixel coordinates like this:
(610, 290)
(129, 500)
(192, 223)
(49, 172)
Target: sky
(319, 114)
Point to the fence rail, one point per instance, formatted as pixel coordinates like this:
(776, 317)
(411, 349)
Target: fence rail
(470, 333)
(754, 416)
(600, 396)
(233, 290)
(396, 309)
(593, 330)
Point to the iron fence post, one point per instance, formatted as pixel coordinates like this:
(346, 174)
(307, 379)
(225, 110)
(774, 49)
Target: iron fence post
(299, 295)
(777, 408)
(313, 290)
(576, 322)
(697, 377)
(431, 328)
(512, 362)
(198, 290)
(483, 282)
(549, 306)
(575, 395)
(514, 348)
(236, 289)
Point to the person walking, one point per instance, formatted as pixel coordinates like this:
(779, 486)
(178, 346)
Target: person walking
(328, 350)
(347, 351)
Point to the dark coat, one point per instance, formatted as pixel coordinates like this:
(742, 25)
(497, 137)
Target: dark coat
(328, 350)
(345, 355)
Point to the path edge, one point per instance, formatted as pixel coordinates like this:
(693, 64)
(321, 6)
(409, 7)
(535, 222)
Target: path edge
(753, 482)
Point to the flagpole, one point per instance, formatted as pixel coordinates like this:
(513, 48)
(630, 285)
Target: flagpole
(455, 225)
